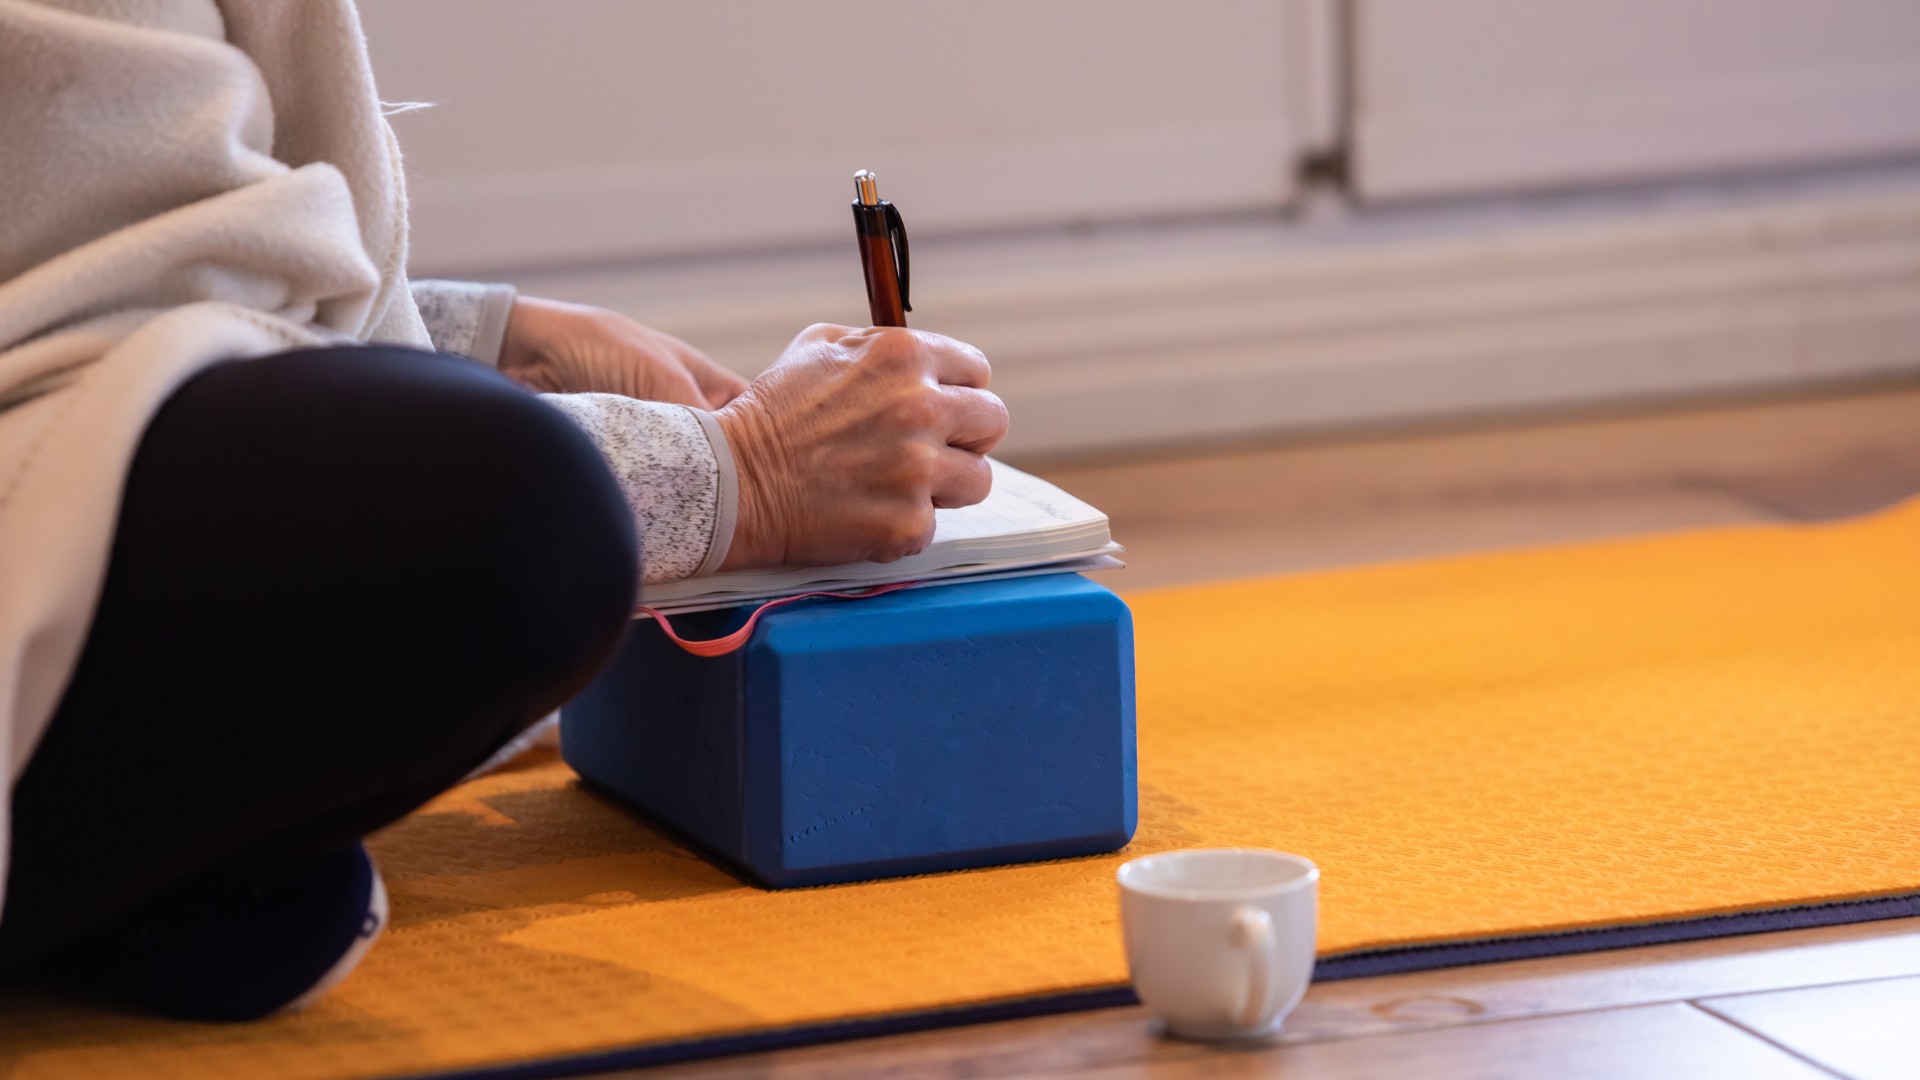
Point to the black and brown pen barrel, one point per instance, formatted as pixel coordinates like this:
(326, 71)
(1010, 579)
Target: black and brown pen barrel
(883, 252)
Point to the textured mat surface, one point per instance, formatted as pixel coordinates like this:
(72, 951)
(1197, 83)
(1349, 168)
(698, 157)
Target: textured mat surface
(1603, 736)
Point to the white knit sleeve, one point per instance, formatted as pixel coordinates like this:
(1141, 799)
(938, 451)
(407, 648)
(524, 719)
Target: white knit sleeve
(465, 317)
(674, 466)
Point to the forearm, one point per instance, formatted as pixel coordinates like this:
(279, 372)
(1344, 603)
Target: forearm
(674, 466)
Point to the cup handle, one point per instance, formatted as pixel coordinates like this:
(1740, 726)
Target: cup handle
(1251, 930)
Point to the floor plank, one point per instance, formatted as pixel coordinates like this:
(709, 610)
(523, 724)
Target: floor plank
(1865, 1030)
(1600, 980)
(1655, 1042)
(1359, 1008)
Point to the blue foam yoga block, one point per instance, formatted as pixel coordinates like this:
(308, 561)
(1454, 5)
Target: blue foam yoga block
(930, 729)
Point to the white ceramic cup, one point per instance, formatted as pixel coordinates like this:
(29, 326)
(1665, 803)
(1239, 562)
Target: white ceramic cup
(1220, 941)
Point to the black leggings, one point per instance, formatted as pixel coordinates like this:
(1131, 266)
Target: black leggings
(341, 578)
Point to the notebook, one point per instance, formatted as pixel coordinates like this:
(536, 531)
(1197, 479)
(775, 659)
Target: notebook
(1024, 526)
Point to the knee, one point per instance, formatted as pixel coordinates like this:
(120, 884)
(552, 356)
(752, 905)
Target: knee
(548, 558)
(462, 524)
(556, 541)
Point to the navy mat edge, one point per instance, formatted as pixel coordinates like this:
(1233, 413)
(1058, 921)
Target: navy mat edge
(1352, 965)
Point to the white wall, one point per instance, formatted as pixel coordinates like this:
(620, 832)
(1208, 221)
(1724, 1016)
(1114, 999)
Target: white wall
(1481, 95)
(577, 129)
(571, 131)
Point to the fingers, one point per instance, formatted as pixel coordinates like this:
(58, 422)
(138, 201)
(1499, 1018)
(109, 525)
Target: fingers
(557, 347)
(672, 386)
(822, 334)
(976, 419)
(956, 363)
(906, 535)
(717, 383)
(961, 478)
(950, 362)
(659, 366)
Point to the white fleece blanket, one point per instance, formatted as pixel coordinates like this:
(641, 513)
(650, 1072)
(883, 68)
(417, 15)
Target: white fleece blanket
(181, 182)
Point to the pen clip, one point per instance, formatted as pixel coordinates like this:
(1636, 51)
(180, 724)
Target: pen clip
(897, 233)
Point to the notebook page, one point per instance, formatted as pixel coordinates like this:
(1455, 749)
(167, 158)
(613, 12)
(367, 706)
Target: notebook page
(1018, 503)
(1024, 521)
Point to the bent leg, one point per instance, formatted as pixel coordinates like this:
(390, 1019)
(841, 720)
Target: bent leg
(340, 579)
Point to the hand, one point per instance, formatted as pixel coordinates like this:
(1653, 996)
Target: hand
(560, 348)
(848, 442)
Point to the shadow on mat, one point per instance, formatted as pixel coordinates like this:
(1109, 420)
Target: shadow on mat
(532, 849)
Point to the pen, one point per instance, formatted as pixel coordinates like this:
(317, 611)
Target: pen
(883, 252)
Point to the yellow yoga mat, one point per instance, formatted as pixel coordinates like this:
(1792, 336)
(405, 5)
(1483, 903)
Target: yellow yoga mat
(1591, 742)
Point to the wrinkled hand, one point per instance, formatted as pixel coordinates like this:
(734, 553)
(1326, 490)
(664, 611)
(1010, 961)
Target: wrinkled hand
(848, 442)
(560, 348)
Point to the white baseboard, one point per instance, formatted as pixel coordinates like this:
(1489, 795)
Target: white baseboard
(1639, 305)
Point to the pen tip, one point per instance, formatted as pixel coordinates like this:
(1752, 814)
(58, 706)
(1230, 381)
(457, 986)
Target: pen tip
(866, 186)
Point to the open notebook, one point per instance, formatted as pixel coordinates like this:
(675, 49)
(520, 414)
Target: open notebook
(1024, 526)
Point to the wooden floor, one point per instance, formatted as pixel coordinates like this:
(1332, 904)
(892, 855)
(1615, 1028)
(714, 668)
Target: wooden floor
(1311, 505)
(1840, 1001)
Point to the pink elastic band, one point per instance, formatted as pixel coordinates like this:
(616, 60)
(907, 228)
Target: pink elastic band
(723, 645)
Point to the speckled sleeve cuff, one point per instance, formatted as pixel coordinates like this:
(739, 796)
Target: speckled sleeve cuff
(729, 510)
(465, 317)
(675, 468)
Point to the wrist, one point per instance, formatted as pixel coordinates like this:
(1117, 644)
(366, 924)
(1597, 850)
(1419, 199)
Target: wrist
(517, 353)
(754, 544)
